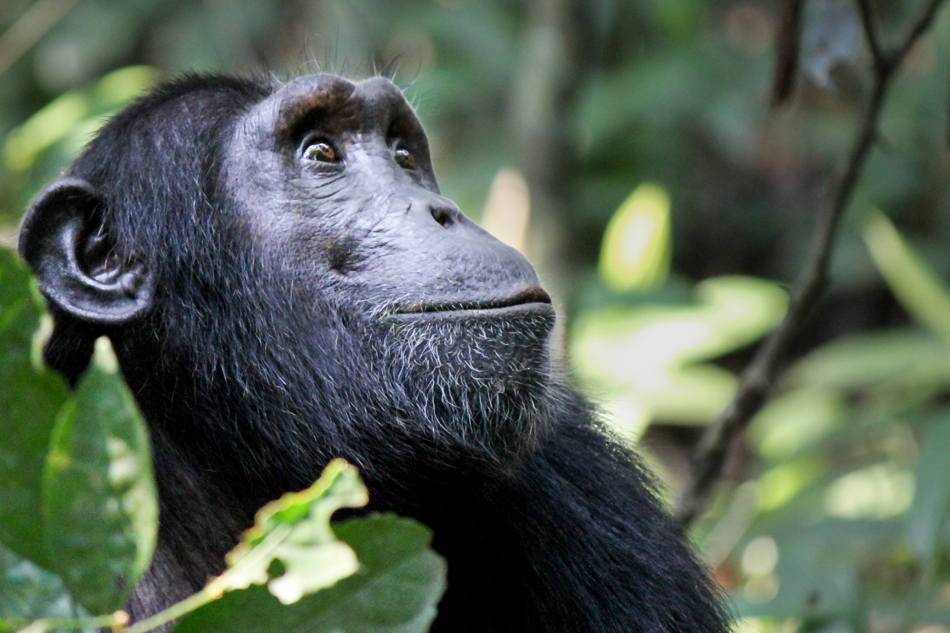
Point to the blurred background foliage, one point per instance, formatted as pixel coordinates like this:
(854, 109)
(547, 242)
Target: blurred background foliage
(627, 147)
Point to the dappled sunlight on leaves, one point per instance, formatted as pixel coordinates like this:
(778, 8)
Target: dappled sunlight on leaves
(295, 529)
(636, 250)
(796, 421)
(73, 117)
(780, 484)
(919, 290)
(652, 357)
(875, 492)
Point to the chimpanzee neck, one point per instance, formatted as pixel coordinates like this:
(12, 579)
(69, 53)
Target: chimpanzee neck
(250, 441)
(211, 483)
(530, 517)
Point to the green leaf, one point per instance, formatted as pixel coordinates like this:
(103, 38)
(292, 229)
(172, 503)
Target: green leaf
(648, 358)
(818, 559)
(29, 592)
(879, 491)
(902, 359)
(295, 529)
(75, 113)
(796, 421)
(99, 503)
(914, 283)
(931, 506)
(636, 250)
(29, 401)
(396, 589)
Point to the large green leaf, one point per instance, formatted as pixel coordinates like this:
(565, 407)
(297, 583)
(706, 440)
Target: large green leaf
(30, 397)
(28, 592)
(99, 502)
(295, 530)
(396, 589)
(291, 548)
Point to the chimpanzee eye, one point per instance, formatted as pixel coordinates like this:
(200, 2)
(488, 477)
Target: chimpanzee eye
(405, 159)
(321, 151)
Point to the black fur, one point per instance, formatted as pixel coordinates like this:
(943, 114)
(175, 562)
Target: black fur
(251, 382)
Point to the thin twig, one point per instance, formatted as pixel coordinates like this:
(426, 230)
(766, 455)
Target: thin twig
(870, 34)
(786, 58)
(758, 378)
(916, 29)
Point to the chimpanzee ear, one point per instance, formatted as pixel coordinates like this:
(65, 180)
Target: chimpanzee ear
(76, 261)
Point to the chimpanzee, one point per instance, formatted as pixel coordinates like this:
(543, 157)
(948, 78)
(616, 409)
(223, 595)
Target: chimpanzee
(283, 284)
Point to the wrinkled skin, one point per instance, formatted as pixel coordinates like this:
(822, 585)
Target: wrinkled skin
(382, 228)
(284, 284)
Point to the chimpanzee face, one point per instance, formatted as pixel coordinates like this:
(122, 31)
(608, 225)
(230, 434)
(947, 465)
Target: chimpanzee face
(335, 179)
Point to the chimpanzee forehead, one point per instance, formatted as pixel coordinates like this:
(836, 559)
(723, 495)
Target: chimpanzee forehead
(328, 100)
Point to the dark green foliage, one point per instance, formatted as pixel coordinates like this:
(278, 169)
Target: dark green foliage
(99, 509)
(846, 472)
(30, 398)
(79, 513)
(399, 582)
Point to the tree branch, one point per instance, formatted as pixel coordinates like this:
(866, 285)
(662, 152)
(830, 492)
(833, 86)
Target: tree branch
(758, 378)
(870, 34)
(786, 58)
(916, 29)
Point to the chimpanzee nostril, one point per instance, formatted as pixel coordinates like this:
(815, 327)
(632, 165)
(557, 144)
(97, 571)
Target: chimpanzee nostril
(444, 215)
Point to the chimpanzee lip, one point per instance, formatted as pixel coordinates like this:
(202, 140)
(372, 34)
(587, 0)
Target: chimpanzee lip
(533, 295)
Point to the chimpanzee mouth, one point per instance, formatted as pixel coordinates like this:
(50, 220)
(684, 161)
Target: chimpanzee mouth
(528, 299)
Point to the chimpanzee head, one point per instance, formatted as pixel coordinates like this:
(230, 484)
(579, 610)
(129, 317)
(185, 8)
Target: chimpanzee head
(270, 256)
